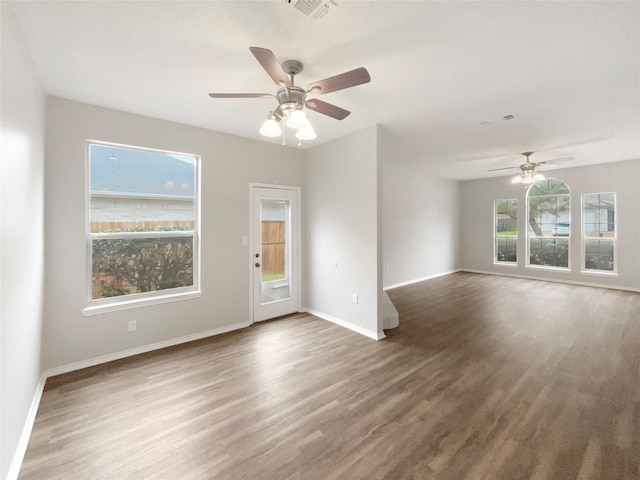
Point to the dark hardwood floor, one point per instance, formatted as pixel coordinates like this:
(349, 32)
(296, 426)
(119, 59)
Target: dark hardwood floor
(486, 377)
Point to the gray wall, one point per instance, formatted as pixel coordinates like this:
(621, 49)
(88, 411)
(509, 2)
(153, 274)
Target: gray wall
(477, 198)
(229, 164)
(421, 222)
(343, 230)
(21, 285)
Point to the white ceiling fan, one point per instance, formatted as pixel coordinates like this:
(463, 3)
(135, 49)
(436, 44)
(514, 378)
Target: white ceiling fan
(294, 100)
(528, 170)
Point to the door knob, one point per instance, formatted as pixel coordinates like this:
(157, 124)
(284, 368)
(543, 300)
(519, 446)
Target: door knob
(257, 265)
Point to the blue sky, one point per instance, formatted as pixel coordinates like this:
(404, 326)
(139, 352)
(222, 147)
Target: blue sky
(118, 169)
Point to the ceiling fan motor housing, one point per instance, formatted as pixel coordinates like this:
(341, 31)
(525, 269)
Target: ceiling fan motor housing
(290, 97)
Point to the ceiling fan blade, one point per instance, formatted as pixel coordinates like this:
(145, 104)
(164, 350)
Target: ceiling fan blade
(241, 95)
(557, 160)
(503, 168)
(342, 81)
(327, 109)
(271, 64)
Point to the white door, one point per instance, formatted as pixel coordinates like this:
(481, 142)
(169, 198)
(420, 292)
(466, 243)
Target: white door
(275, 251)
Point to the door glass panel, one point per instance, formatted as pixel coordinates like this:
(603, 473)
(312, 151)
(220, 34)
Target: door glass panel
(274, 221)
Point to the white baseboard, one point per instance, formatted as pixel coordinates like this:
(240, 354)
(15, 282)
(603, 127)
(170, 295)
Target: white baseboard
(143, 349)
(555, 280)
(421, 279)
(343, 323)
(18, 457)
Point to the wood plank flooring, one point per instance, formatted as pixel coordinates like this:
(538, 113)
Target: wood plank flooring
(486, 377)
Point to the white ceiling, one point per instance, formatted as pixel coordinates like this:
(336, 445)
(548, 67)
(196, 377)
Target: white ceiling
(568, 71)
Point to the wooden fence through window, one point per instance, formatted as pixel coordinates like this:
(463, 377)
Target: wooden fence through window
(273, 247)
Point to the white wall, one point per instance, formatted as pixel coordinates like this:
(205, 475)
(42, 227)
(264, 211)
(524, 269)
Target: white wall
(343, 219)
(229, 164)
(477, 222)
(421, 222)
(21, 288)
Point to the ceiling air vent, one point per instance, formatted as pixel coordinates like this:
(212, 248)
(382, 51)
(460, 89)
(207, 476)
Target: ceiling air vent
(314, 8)
(508, 117)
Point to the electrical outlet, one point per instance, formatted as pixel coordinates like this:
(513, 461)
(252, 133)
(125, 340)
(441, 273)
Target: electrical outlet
(133, 325)
(355, 298)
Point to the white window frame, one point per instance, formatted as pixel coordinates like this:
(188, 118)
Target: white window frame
(613, 240)
(123, 302)
(495, 234)
(528, 237)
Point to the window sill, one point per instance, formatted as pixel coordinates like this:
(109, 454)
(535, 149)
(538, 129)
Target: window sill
(549, 268)
(599, 273)
(506, 264)
(138, 302)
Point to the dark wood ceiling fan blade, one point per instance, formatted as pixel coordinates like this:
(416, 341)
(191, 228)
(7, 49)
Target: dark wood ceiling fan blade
(271, 64)
(241, 95)
(342, 81)
(327, 109)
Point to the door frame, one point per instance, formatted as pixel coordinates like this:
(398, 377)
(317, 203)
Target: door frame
(296, 250)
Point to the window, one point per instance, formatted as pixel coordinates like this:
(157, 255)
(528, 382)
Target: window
(142, 226)
(505, 214)
(274, 240)
(599, 232)
(549, 219)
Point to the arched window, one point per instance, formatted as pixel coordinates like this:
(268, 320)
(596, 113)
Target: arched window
(549, 224)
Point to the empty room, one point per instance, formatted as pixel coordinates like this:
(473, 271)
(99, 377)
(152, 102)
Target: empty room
(308, 239)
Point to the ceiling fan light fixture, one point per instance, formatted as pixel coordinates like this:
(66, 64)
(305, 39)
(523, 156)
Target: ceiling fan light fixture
(516, 179)
(270, 127)
(298, 119)
(306, 133)
(538, 177)
(293, 99)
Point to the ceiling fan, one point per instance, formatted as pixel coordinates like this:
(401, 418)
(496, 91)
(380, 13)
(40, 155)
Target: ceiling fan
(528, 170)
(293, 100)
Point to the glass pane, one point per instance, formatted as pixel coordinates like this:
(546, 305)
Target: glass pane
(126, 266)
(552, 252)
(140, 190)
(549, 186)
(598, 255)
(549, 216)
(599, 215)
(506, 249)
(275, 250)
(506, 212)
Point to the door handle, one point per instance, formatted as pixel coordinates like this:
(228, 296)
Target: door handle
(257, 265)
